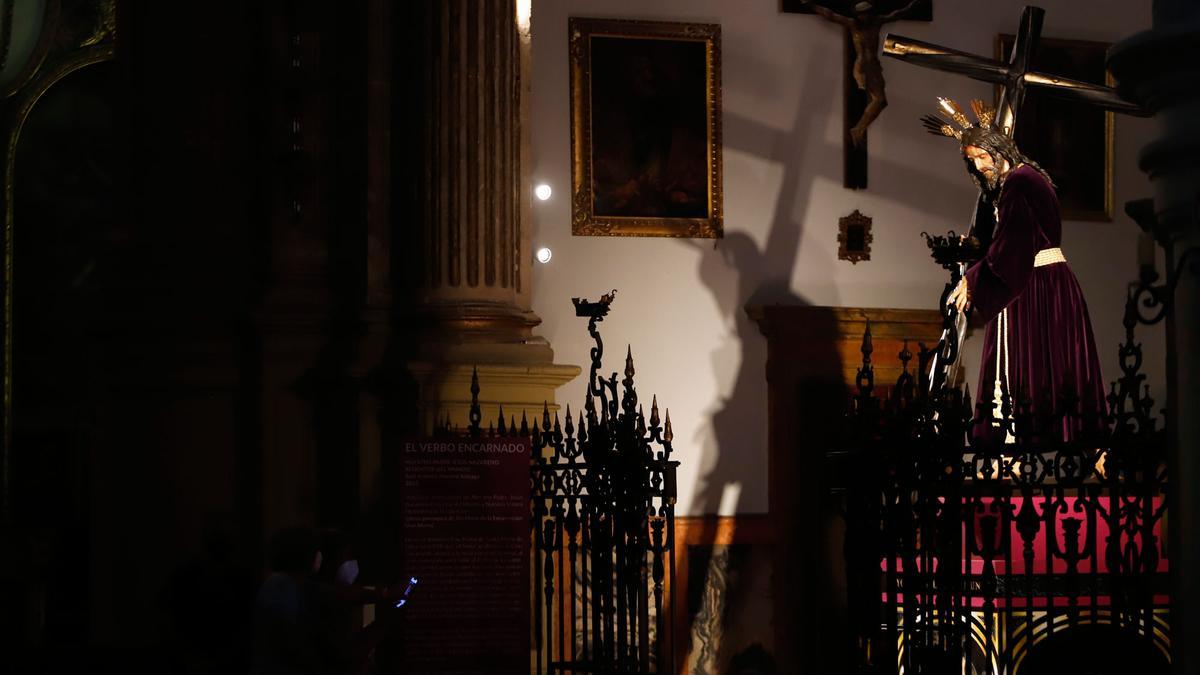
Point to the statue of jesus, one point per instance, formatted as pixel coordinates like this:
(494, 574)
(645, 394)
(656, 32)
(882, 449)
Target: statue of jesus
(1038, 340)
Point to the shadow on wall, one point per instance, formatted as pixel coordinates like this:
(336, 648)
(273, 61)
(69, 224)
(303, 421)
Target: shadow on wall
(738, 273)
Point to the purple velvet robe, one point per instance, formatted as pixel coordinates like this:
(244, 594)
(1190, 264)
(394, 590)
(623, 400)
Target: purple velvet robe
(1050, 348)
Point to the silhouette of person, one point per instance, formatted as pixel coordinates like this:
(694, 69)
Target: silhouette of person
(208, 600)
(287, 640)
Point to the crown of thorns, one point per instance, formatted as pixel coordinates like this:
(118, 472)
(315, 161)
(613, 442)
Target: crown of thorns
(952, 112)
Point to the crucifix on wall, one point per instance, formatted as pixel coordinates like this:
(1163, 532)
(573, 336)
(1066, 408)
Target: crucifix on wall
(863, 88)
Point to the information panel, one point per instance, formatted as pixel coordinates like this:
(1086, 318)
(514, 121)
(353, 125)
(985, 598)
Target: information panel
(466, 539)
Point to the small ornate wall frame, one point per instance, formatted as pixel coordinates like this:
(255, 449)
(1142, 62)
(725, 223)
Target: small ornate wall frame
(854, 237)
(645, 128)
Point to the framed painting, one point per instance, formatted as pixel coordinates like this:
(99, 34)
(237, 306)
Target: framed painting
(645, 128)
(1072, 141)
(724, 605)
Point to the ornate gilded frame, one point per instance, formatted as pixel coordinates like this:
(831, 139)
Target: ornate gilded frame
(854, 220)
(74, 35)
(1102, 209)
(584, 220)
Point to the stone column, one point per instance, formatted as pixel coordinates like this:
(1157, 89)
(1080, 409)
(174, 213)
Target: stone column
(1160, 68)
(469, 259)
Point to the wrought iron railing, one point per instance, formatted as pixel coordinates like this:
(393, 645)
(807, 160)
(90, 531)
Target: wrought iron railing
(979, 558)
(602, 524)
(603, 519)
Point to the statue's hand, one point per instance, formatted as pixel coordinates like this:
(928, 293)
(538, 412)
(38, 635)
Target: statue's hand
(960, 297)
(858, 135)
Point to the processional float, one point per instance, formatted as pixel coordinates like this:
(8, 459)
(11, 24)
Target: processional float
(960, 558)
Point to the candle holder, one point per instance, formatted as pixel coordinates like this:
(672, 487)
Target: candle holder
(951, 250)
(954, 253)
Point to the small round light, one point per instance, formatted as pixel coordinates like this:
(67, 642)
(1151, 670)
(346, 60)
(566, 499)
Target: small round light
(523, 11)
(543, 254)
(542, 192)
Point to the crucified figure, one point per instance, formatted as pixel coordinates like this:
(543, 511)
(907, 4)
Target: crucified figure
(868, 73)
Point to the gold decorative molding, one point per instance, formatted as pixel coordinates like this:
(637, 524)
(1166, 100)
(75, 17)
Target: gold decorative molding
(48, 65)
(106, 24)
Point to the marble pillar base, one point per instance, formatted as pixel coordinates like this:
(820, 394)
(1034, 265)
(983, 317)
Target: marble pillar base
(445, 390)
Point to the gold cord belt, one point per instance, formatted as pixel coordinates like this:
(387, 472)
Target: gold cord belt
(1048, 256)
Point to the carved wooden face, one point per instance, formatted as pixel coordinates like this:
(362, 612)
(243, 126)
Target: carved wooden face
(986, 164)
(982, 159)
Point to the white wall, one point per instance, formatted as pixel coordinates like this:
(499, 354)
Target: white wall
(679, 302)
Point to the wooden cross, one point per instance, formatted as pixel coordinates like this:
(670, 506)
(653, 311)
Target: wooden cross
(863, 84)
(1014, 75)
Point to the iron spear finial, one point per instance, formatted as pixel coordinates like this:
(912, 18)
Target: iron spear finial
(867, 347)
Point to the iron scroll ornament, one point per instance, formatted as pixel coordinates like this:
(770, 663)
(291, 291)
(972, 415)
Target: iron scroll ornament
(1158, 299)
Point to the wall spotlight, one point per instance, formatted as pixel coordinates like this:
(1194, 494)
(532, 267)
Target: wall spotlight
(543, 254)
(542, 192)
